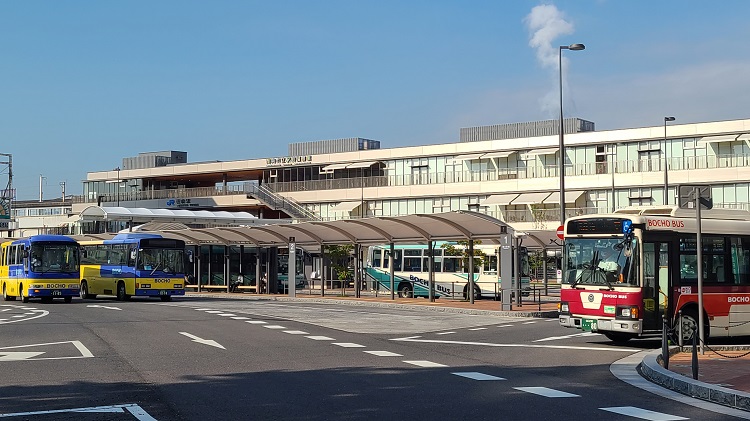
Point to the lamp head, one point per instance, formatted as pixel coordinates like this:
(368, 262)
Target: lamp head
(669, 119)
(576, 47)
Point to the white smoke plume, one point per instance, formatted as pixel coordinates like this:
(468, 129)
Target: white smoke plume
(545, 24)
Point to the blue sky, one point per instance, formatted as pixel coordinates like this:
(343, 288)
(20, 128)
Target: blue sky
(85, 83)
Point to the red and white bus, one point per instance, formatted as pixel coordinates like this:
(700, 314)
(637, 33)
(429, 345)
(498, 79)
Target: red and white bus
(628, 269)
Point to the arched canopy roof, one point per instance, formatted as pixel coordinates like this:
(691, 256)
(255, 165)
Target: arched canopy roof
(103, 213)
(419, 228)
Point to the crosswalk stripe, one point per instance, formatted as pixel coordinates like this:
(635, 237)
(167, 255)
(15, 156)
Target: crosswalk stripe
(643, 414)
(226, 314)
(422, 363)
(255, 322)
(547, 392)
(274, 327)
(320, 338)
(240, 318)
(505, 326)
(296, 332)
(477, 376)
(348, 345)
(444, 333)
(384, 353)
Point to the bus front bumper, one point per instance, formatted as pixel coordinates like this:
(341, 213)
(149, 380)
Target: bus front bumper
(595, 324)
(54, 293)
(158, 292)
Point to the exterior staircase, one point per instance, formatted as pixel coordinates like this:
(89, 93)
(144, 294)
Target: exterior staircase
(277, 202)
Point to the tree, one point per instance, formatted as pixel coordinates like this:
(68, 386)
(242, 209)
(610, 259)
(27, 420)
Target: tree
(461, 249)
(339, 256)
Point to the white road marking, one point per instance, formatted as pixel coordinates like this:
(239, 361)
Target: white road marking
(104, 307)
(423, 363)
(134, 410)
(208, 342)
(202, 309)
(554, 338)
(547, 392)
(240, 318)
(255, 322)
(214, 311)
(477, 376)
(505, 326)
(296, 332)
(85, 353)
(320, 338)
(587, 348)
(445, 333)
(528, 323)
(226, 314)
(274, 327)
(478, 328)
(383, 353)
(18, 355)
(348, 345)
(643, 414)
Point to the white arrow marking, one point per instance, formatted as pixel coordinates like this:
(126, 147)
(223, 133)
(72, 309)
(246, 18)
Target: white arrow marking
(18, 356)
(202, 341)
(108, 308)
(134, 410)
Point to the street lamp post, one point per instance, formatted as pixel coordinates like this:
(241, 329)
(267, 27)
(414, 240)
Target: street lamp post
(574, 47)
(666, 161)
(117, 188)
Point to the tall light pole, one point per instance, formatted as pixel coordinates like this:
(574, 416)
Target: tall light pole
(118, 186)
(666, 161)
(574, 47)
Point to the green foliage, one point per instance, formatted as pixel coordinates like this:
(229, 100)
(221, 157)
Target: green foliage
(461, 249)
(339, 255)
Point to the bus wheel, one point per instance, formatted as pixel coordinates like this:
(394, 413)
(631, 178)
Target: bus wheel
(404, 291)
(690, 326)
(68, 299)
(477, 292)
(7, 297)
(121, 296)
(618, 337)
(24, 299)
(166, 297)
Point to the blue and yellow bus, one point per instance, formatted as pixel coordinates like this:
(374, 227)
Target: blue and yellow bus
(40, 266)
(133, 264)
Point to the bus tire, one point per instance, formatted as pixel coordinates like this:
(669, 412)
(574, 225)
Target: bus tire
(690, 325)
(477, 292)
(121, 295)
(24, 299)
(7, 297)
(166, 297)
(84, 291)
(68, 299)
(405, 291)
(618, 337)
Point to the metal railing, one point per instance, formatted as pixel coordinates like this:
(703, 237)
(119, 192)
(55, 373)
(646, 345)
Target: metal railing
(277, 202)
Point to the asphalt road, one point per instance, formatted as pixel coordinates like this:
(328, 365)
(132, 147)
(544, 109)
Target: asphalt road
(203, 358)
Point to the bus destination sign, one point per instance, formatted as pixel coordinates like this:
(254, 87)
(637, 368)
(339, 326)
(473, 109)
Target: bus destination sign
(596, 226)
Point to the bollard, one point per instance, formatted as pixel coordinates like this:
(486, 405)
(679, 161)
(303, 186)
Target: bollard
(680, 341)
(695, 355)
(664, 343)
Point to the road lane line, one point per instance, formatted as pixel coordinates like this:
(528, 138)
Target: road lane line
(296, 332)
(477, 376)
(255, 322)
(547, 392)
(643, 414)
(383, 353)
(348, 345)
(445, 333)
(274, 327)
(424, 363)
(587, 348)
(320, 338)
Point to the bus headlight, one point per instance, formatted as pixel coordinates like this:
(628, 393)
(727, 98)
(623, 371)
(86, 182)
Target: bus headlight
(145, 285)
(562, 307)
(629, 312)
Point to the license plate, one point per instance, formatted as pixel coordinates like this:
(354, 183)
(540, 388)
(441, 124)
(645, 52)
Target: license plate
(56, 292)
(589, 325)
(163, 292)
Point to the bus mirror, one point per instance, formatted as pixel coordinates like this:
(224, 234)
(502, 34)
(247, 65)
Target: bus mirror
(132, 254)
(190, 257)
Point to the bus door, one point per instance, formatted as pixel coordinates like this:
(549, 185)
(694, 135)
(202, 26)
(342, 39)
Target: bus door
(656, 271)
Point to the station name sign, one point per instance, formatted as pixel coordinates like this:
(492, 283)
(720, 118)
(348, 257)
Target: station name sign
(289, 160)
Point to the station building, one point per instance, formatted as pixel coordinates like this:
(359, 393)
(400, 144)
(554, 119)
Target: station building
(510, 172)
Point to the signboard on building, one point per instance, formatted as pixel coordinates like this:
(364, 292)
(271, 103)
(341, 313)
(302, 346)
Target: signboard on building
(188, 203)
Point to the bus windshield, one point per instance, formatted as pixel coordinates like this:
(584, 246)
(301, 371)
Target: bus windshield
(601, 261)
(54, 257)
(164, 260)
